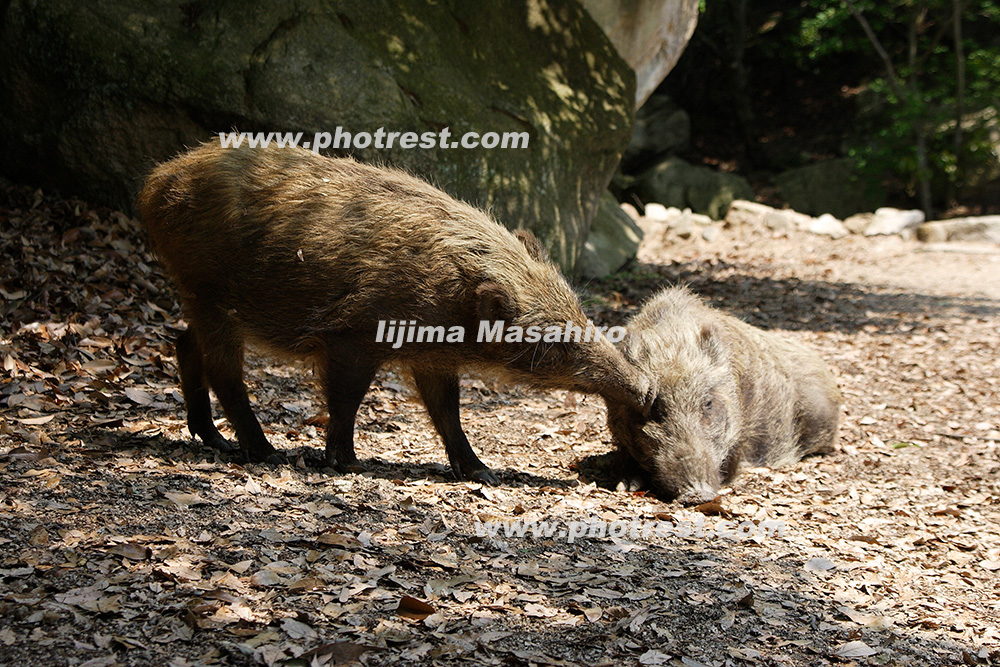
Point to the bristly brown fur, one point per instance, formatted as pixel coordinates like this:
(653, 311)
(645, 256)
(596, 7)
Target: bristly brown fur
(304, 254)
(726, 392)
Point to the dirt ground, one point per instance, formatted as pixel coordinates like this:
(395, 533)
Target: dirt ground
(122, 542)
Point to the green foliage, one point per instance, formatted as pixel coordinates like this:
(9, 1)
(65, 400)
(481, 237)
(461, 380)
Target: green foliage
(918, 98)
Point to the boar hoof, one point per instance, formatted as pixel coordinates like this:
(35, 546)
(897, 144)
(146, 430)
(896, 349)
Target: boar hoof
(269, 456)
(349, 467)
(630, 484)
(484, 476)
(221, 444)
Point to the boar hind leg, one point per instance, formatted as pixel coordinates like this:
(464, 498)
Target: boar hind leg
(346, 386)
(439, 391)
(194, 386)
(222, 355)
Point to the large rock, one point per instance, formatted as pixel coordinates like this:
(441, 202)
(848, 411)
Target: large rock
(984, 228)
(831, 186)
(613, 240)
(649, 34)
(661, 128)
(92, 94)
(677, 183)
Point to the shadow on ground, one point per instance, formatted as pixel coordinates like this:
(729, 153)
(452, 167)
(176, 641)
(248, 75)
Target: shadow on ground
(795, 304)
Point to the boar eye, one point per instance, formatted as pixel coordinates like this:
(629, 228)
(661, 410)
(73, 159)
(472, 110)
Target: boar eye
(709, 404)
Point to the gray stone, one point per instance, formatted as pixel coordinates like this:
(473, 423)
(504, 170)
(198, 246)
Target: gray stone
(700, 219)
(684, 227)
(91, 98)
(613, 240)
(830, 186)
(649, 34)
(674, 182)
(984, 229)
(655, 233)
(786, 220)
(857, 223)
(661, 128)
(742, 212)
(887, 221)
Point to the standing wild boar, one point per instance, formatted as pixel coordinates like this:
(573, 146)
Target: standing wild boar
(310, 256)
(725, 392)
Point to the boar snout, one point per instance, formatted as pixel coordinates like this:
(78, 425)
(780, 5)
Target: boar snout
(697, 494)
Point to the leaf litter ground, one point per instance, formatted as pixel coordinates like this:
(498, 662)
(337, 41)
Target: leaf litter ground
(122, 542)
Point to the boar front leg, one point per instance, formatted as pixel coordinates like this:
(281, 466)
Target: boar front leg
(222, 359)
(194, 386)
(346, 386)
(439, 391)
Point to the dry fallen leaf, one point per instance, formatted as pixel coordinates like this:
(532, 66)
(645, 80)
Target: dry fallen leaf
(855, 649)
(138, 396)
(334, 539)
(411, 607)
(337, 653)
(131, 550)
(654, 657)
(819, 565)
(185, 499)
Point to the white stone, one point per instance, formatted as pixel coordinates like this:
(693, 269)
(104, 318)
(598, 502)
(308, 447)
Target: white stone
(700, 219)
(984, 228)
(743, 212)
(786, 220)
(684, 226)
(827, 225)
(888, 221)
(857, 223)
(657, 212)
(710, 233)
(630, 210)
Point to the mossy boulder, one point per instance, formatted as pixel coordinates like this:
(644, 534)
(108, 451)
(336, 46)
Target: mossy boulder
(92, 94)
(613, 240)
(680, 184)
(831, 186)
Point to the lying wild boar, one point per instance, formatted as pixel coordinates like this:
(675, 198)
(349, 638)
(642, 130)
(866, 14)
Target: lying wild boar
(726, 392)
(310, 256)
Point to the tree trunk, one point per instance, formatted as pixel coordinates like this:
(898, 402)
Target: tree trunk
(738, 81)
(920, 124)
(958, 181)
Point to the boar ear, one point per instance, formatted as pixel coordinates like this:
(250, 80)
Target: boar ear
(532, 245)
(493, 303)
(710, 340)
